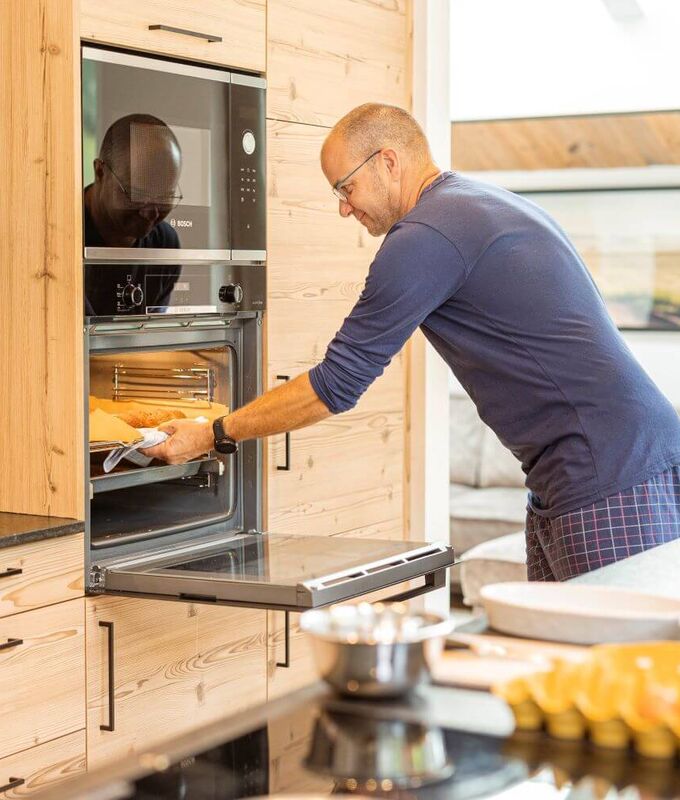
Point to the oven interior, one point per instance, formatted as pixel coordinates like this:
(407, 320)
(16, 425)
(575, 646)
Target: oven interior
(133, 502)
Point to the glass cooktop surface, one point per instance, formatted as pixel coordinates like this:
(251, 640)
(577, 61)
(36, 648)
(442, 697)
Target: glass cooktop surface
(332, 746)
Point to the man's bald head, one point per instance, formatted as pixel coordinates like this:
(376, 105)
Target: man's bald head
(374, 126)
(378, 161)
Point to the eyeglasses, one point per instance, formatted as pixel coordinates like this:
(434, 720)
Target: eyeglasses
(337, 186)
(168, 202)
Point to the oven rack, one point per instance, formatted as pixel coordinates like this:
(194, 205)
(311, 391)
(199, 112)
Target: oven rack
(139, 477)
(166, 383)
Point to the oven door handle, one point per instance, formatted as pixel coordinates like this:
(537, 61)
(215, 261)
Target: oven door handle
(286, 464)
(184, 32)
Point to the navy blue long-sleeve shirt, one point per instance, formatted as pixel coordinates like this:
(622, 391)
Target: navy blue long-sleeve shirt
(500, 292)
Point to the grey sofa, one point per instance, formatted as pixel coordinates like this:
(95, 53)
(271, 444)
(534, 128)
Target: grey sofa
(487, 501)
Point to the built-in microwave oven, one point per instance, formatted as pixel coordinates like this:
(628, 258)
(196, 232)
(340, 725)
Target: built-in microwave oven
(173, 161)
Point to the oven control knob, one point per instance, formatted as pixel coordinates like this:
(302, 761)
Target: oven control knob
(248, 143)
(231, 293)
(132, 296)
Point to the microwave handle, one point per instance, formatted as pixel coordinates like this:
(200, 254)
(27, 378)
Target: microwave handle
(286, 464)
(208, 36)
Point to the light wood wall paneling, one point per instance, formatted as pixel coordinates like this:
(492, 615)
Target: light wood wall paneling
(44, 766)
(325, 58)
(347, 472)
(51, 571)
(176, 667)
(41, 425)
(612, 140)
(239, 23)
(42, 678)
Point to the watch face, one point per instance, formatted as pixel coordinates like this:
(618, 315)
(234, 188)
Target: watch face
(226, 445)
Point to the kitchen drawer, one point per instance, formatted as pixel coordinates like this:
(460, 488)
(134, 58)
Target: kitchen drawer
(42, 675)
(239, 23)
(44, 766)
(174, 667)
(40, 573)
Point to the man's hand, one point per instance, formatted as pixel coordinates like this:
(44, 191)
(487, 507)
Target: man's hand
(188, 439)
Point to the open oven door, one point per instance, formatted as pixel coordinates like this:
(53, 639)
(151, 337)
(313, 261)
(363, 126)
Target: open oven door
(275, 571)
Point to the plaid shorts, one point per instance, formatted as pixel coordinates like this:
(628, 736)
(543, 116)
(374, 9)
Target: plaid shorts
(619, 526)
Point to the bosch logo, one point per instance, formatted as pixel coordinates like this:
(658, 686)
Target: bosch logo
(182, 223)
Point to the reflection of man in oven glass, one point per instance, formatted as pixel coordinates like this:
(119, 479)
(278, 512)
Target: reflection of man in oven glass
(136, 186)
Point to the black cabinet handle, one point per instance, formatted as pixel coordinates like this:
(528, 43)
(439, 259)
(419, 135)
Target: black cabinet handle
(286, 653)
(112, 708)
(11, 571)
(286, 465)
(209, 36)
(13, 783)
(11, 643)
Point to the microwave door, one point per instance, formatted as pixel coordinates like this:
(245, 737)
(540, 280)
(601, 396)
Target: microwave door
(276, 571)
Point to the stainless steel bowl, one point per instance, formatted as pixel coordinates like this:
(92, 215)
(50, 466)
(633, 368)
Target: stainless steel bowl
(374, 650)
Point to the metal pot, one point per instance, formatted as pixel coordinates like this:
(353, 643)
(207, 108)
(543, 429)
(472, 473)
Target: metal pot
(374, 650)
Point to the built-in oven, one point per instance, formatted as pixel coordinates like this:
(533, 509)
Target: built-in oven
(194, 531)
(173, 160)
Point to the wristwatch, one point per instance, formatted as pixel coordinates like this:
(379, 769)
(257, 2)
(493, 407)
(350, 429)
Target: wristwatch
(223, 442)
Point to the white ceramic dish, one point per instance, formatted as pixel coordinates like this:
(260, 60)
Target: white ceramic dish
(561, 612)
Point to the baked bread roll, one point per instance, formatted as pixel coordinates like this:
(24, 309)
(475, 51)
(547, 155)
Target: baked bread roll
(150, 418)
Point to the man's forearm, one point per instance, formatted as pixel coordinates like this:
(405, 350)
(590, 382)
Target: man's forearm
(288, 407)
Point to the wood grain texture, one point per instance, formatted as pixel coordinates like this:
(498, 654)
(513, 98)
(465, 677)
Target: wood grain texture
(51, 571)
(347, 472)
(323, 59)
(42, 680)
(41, 426)
(613, 140)
(177, 666)
(289, 744)
(44, 766)
(240, 23)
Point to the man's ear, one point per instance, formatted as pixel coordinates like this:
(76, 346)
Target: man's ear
(98, 169)
(391, 160)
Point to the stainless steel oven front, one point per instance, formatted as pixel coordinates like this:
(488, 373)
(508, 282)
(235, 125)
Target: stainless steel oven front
(173, 160)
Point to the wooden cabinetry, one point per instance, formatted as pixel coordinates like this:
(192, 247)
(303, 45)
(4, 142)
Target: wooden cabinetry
(175, 666)
(40, 573)
(325, 58)
(41, 334)
(346, 476)
(229, 32)
(42, 675)
(43, 766)
(347, 473)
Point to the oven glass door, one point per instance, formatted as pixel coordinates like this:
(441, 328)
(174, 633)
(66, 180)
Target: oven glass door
(132, 499)
(268, 570)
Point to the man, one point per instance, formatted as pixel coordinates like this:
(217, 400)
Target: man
(502, 295)
(136, 186)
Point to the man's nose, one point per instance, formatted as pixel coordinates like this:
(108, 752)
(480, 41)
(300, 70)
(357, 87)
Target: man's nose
(150, 213)
(344, 208)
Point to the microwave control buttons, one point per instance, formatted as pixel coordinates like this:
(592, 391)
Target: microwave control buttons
(231, 293)
(248, 143)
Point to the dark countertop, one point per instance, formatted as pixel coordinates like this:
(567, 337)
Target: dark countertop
(24, 528)
(440, 744)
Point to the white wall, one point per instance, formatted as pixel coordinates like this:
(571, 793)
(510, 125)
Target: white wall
(527, 58)
(659, 354)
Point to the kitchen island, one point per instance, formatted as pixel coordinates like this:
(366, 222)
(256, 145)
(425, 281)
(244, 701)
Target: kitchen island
(439, 743)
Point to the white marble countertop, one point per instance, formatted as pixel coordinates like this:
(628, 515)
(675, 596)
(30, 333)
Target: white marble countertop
(655, 571)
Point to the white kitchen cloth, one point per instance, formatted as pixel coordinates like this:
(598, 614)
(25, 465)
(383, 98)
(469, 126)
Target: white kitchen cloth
(152, 436)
